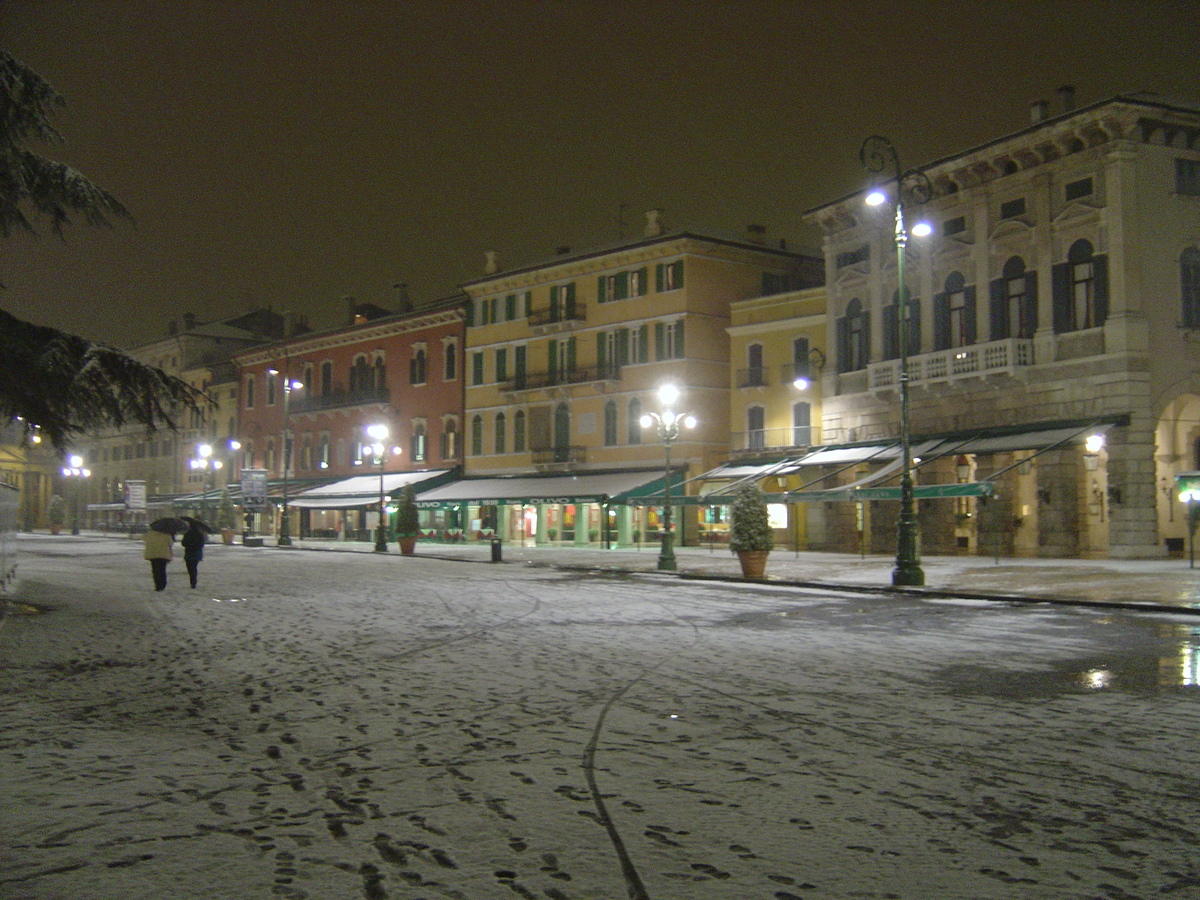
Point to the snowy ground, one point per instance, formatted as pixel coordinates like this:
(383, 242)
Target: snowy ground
(319, 725)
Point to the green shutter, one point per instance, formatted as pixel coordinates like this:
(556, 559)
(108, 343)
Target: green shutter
(678, 274)
(644, 344)
(510, 307)
(553, 355)
(601, 287)
(470, 313)
(642, 281)
(622, 286)
(659, 340)
(570, 354)
(679, 354)
(528, 303)
(623, 347)
(658, 277)
(601, 351)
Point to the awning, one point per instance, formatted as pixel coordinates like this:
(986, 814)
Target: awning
(363, 490)
(610, 487)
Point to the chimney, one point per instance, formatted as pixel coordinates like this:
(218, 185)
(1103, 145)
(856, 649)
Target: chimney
(491, 262)
(1066, 97)
(403, 304)
(1039, 111)
(654, 225)
(757, 233)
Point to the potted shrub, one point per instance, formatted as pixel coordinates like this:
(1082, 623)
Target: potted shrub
(57, 512)
(408, 524)
(750, 534)
(226, 517)
(553, 533)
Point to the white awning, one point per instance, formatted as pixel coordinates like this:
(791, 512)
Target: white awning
(583, 488)
(360, 490)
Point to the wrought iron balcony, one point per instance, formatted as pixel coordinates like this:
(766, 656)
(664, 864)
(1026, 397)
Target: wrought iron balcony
(545, 456)
(755, 376)
(563, 315)
(339, 397)
(764, 440)
(532, 381)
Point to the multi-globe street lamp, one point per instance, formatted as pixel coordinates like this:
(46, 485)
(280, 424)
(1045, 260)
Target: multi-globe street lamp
(379, 452)
(669, 425)
(289, 385)
(878, 155)
(205, 463)
(76, 473)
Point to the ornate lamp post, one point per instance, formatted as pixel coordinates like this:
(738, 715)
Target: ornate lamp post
(76, 472)
(285, 528)
(669, 424)
(379, 453)
(877, 155)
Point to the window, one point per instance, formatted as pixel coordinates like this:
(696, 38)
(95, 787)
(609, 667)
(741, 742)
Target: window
(954, 226)
(801, 424)
(270, 455)
(1010, 209)
(450, 354)
(326, 379)
(1080, 289)
(500, 436)
(477, 368)
(307, 376)
(416, 365)
(502, 364)
(519, 431)
(360, 376)
(519, 367)
(418, 441)
(323, 451)
(610, 423)
(450, 438)
(477, 436)
(668, 276)
(306, 457)
(249, 392)
(634, 421)
(756, 436)
(562, 433)
(510, 307)
(1189, 282)
(954, 314)
(380, 375)
(1187, 177)
(562, 360)
(754, 376)
(853, 337)
(639, 344)
(272, 387)
(637, 283)
(1013, 302)
(1080, 188)
(562, 302)
(668, 340)
(850, 257)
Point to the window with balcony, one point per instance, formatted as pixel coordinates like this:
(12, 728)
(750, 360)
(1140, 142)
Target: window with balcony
(891, 330)
(754, 375)
(1080, 289)
(756, 435)
(1013, 302)
(801, 424)
(954, 314)
(853, 333)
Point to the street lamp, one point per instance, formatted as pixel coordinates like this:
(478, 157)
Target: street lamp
(76, 472)
(378, 433)
(668, 424)
(285, 528)
(877, 155)
(205, 463)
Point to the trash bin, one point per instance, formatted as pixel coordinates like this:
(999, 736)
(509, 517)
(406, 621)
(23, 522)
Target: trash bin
(496, 556)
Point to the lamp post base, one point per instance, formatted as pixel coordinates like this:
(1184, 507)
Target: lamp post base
(380, 541)
(908, 571)
(666, 557)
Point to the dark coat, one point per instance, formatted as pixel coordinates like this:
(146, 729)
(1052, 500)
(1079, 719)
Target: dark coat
(193, 544)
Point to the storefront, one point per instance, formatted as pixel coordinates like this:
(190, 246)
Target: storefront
(349, 509)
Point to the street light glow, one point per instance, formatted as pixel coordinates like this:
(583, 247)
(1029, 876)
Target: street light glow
(875, 198)
(668, 394)
(922, 229)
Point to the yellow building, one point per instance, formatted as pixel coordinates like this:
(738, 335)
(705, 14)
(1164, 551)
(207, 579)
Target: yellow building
(777, 362)
(565, 357)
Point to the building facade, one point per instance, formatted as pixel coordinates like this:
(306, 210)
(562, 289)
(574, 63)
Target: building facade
(565, 357)
(1057, 301)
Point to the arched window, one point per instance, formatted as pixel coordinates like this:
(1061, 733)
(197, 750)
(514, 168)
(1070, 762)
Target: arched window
(634, 421)
(416, 366)
(380, 376)
(891, 329)
(451, 361)
(500, 436)
(610, 423)
(1080, 289)
(418, 441)
(1189, 285)
(754, 366)
(954, 314)
(326, 379)
(519, 431)
(1013, 303)
(801, 424)
(360, 376)
(450, 439)
(477, 436)
(853, 331)
(756, 436)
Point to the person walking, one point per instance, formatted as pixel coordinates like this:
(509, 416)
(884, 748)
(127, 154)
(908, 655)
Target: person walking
(193, 550)
(158, 551)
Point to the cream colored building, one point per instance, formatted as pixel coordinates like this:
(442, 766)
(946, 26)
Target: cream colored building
(564, 357)
(1058, 299)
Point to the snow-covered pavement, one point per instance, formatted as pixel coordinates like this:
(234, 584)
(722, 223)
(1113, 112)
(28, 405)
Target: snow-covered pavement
(340, 725)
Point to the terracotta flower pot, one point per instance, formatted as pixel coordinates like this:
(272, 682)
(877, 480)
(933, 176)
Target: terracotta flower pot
(407, 545)
(754, 563)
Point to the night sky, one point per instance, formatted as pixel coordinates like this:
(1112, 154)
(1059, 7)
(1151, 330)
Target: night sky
(291, 154)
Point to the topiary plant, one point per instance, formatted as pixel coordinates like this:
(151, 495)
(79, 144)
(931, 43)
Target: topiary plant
(749, 525)
(408, 520)
(226, 517)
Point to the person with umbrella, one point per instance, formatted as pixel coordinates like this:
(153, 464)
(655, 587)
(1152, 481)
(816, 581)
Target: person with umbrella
(193, 547)
(159, 539)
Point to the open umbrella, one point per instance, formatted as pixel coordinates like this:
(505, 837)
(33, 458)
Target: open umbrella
(199, 523)
(169, 525)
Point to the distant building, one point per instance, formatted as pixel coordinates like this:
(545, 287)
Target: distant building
(1059, 299)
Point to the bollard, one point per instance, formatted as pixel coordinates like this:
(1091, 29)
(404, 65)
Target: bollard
(496, 556)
